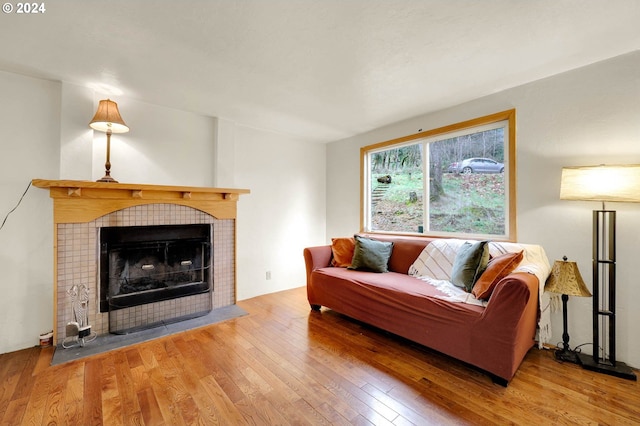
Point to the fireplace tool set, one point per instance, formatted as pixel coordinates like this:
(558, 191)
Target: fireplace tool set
(78, 331)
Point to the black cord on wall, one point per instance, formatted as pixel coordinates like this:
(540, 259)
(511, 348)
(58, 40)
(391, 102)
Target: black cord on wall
(13, 209)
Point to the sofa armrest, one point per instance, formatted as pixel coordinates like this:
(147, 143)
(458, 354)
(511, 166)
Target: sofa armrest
(316, 257)
(508, 324)
(511, 296)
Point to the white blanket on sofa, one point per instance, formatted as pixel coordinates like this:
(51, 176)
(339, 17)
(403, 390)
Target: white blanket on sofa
(435, 263)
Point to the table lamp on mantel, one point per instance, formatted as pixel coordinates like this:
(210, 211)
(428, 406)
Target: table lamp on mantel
(565, 279)
(108, 119)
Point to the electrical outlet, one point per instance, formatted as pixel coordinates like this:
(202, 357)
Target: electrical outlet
(268, 274)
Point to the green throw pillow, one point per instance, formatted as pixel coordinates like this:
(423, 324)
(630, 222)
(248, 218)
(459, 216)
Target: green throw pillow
(470, 262)
(371, 255)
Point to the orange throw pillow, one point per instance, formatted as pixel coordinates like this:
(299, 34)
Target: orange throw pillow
(498, 268)
(342, 249)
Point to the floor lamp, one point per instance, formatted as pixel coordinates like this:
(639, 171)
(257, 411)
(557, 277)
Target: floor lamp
(620, 183)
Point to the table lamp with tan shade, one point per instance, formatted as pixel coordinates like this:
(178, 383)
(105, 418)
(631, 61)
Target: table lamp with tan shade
(565, 279)
(107, 119)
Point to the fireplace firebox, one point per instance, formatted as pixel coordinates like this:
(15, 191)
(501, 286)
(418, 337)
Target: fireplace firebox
(146, 264)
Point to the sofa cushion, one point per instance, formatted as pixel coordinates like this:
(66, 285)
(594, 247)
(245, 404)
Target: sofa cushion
(470, 262)
(371, 255)
(498, 268)
(405, 250)
(405, 253)
(436, 260)
(342, 251)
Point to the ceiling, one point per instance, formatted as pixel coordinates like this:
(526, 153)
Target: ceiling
(319, 70)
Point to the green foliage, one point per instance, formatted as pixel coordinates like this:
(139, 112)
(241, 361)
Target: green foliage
(406, 158)
(470, 204)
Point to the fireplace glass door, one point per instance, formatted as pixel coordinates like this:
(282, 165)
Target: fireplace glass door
(146, 265)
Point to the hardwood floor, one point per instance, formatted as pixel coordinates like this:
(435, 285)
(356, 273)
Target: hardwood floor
(283, 364)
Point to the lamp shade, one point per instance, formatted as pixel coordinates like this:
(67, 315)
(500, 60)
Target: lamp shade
(565, 278)
(601, 183)
(108, 118)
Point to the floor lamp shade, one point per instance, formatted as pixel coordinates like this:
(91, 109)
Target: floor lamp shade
(601, 183)
(617, 183)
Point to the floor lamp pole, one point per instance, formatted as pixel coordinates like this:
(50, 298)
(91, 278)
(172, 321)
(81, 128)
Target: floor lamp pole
(604, 359)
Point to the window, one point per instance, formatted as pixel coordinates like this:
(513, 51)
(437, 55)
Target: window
(456, 181)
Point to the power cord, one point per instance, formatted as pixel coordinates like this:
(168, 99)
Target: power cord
(13, 209)
(581, 345)
(577, 350)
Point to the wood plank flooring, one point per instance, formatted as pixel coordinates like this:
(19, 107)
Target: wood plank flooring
(285, 365)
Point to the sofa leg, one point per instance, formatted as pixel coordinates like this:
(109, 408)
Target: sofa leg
(315, 307)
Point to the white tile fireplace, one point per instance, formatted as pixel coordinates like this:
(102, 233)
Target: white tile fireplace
(82, 208)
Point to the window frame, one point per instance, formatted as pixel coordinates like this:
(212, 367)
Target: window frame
(442, 132)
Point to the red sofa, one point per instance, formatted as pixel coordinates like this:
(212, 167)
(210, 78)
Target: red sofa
(494, 338)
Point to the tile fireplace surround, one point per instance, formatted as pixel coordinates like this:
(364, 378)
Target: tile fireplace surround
(81, 208)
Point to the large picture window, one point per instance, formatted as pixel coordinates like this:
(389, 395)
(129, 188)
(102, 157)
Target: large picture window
(456, 181)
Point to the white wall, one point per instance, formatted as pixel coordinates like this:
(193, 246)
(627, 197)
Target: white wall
(584, 117)
(164, 146)
(76, 138)
(284, 213)
(45, 134)
(29, 137)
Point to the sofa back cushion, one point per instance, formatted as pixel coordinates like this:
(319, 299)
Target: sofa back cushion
(405, 250)
(469, 264)
(342, 251)
(371, 255)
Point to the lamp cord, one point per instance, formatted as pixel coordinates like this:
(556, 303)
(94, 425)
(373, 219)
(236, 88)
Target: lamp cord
(13, 209)
(576, 349)
(579, 346)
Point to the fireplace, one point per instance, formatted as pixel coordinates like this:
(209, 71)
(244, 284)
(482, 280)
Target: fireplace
(82, 209)
(147, 264)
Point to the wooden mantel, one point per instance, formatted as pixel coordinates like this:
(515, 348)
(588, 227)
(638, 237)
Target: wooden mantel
(83, 201)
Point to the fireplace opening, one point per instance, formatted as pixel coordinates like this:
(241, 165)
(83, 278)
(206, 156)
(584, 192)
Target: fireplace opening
(146, 264)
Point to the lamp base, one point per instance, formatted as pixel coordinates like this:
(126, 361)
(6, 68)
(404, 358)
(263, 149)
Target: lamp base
(620, 369)
(566, 355)
(107, 178)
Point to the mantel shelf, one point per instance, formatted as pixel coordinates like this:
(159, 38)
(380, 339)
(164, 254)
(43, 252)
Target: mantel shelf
(83, 201)
(80, 184)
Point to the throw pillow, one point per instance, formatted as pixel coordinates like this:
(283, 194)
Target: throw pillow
(342, 251)
(469, 263)
(371, 255)
(498, 268)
